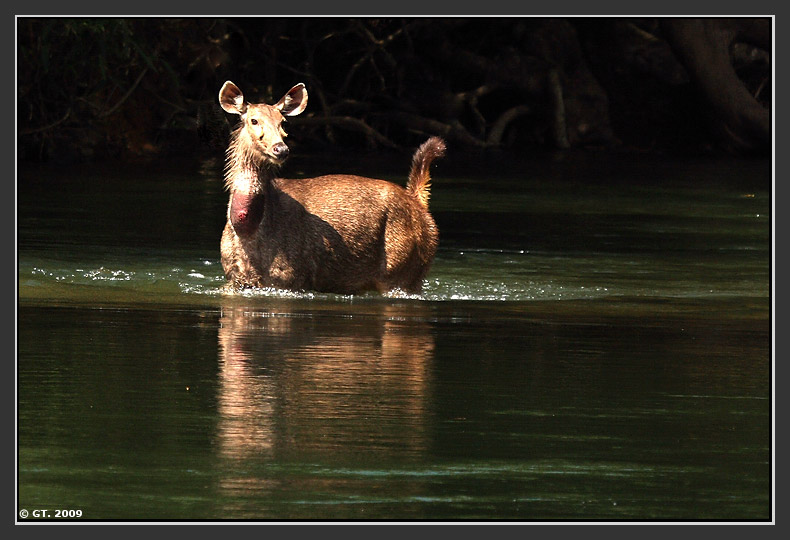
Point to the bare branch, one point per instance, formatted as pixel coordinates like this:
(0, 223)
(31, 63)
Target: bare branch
(33, 131)
(347, 122)
(120, 102)
(498, 129)
(454, 131)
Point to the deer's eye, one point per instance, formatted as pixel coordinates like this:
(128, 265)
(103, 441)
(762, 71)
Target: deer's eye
(254, 122)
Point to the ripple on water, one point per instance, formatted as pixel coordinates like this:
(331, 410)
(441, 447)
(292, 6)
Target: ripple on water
(205, 278)
(490, 276)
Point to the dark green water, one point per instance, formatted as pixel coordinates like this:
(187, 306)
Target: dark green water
(593, 343)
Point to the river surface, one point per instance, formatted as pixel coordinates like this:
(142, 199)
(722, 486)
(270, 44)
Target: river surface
(593, 342)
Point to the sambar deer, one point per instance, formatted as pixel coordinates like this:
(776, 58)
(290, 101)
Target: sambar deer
(336, 233)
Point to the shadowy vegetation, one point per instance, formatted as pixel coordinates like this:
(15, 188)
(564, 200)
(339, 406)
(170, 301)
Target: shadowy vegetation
(91, 88)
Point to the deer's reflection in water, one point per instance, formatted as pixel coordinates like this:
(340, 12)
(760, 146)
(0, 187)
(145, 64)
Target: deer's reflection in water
(326, 387)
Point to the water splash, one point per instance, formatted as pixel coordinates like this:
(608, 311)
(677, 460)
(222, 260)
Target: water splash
(438, 289)
(456, 276)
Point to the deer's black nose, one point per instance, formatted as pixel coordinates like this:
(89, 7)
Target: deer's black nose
(280, 151)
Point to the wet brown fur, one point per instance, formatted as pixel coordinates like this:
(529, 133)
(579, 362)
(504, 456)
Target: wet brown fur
(334, 233)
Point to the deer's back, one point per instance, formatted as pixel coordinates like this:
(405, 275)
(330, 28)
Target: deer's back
(343, 198)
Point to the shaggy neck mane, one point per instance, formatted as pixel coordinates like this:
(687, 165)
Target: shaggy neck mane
(245, 168)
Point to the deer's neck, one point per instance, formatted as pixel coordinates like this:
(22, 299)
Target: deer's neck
(248, 184)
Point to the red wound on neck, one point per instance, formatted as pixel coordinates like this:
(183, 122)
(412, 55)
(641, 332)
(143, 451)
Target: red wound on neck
(246, 212)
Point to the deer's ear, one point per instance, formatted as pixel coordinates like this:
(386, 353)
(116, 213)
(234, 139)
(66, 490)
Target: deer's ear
(293, 102)
(231, 99)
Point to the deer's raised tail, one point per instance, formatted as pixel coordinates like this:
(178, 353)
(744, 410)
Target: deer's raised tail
(419, 183)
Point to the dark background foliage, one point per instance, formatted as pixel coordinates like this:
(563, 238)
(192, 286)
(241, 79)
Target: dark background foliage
(131, 88)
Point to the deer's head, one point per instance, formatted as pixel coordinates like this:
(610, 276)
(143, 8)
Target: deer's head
(261, 134)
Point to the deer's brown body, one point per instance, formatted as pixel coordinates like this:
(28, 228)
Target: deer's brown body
(334, 233)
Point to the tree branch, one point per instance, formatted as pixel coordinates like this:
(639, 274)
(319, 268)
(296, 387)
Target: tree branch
(33, 131)
(120, 102)
(347, 122)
